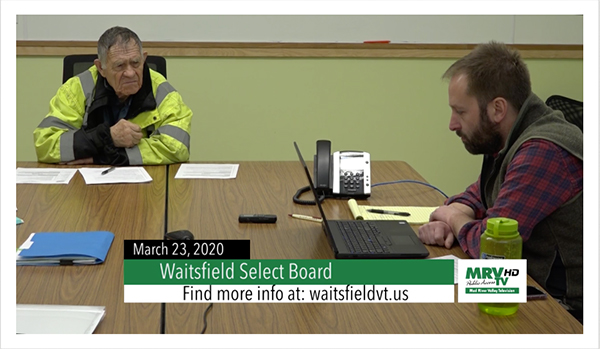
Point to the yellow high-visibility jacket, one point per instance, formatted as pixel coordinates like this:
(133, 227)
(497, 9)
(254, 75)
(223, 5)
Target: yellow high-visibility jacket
(75, 128)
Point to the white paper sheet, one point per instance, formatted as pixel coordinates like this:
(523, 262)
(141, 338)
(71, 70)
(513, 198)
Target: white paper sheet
(93, 175)
(45, 175)
(58, 319)
(451, 256)
(208, 171)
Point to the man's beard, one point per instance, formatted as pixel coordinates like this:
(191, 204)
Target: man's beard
(486, 139)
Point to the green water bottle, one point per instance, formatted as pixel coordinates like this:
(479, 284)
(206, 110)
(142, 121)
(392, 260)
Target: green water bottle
(501, 240)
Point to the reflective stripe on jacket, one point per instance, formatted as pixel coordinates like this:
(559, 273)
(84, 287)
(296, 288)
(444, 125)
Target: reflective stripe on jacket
(165, 129)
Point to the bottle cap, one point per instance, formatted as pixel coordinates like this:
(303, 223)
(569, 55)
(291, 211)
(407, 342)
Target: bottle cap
(502, 228)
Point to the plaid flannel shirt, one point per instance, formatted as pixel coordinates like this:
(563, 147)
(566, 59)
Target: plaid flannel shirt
(541, 177)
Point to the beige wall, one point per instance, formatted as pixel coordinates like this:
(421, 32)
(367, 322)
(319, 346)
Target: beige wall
(254, 108)
(438, 29)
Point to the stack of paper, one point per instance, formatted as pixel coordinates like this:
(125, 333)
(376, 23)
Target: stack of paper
(58, 319)
(65, 248)
(418, 215)
(45, 175)
(207, 171)
(93, 175)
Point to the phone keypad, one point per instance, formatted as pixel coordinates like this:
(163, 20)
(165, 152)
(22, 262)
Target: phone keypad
(353, 181)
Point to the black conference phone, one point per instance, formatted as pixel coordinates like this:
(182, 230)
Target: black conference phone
(343, 174)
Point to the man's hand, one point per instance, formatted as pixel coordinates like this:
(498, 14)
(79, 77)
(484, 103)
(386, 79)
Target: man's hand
(85, 161)
(125, 134)
(454, 217)
(436, 233)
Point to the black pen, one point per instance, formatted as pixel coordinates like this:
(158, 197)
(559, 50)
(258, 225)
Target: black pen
(107, 171)
(405, 214)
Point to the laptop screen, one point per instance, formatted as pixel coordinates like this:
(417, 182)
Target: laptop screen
(312, 188)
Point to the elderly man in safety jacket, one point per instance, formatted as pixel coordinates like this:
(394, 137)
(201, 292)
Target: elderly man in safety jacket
(118, 112)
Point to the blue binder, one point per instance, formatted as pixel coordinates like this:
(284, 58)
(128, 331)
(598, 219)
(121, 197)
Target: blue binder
(65, 248)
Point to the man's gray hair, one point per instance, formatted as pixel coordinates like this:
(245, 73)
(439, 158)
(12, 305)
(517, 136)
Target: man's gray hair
(116, 36)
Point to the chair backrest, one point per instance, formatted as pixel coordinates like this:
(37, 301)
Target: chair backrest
(75, 64)
(571, 109)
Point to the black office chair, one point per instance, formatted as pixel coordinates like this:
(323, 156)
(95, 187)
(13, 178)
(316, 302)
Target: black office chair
(571, 109)
(75, 64)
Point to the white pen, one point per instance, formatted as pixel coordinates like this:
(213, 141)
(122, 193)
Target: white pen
(306, 218)
(107, 171)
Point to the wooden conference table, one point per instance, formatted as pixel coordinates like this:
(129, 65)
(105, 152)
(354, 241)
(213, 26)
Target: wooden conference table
(209, 209)
(130, 211)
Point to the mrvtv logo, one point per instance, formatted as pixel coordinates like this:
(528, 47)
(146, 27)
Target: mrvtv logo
(492, 280)
(489, 276)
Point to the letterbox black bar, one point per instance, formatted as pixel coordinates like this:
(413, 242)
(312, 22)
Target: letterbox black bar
(186, 249)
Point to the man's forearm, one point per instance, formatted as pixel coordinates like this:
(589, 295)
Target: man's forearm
(89, 142)
(464, 209)
(98, 144)
(456, 222)
(453, 215)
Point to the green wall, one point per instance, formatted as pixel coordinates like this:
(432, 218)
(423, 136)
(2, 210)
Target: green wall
(254, 108)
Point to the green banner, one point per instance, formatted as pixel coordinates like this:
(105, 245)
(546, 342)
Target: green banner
(288, 272)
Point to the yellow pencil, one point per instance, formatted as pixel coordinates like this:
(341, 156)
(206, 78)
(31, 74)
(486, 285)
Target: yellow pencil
(306, 218)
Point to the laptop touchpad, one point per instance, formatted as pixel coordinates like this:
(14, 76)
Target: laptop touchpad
(402, 240)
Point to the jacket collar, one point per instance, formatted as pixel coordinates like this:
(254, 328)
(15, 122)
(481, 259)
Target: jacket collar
(533, 108)
(143, 100)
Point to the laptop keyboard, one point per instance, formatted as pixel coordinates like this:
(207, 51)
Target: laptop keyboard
(364, 237)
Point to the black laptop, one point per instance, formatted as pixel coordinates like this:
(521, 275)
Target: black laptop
(368, 239)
